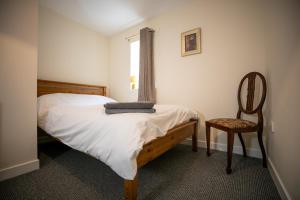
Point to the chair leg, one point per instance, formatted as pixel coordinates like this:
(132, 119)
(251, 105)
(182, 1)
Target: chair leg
(194, 138)
(207, 139)
(130, 187)
(261, 144)
(230, 141)
(243, 144)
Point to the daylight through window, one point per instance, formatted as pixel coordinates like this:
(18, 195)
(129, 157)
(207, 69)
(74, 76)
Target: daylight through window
(134, 64)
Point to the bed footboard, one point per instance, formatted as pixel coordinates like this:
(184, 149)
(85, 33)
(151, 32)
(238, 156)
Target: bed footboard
(159, 146)
(174, 136)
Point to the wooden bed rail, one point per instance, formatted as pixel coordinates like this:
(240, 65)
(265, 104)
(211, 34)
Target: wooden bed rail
(159, 146)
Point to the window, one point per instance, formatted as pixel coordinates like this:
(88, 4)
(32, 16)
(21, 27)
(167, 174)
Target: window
(134, 64)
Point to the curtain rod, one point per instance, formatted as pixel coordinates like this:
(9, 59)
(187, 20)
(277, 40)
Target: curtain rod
(132, 36)
(137, 34)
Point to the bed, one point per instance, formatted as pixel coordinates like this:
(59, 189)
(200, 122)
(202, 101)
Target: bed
(149, 148)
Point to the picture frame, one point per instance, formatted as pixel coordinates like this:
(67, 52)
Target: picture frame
(191, 42)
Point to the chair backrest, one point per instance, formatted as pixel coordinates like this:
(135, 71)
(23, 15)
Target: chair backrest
(251, 77)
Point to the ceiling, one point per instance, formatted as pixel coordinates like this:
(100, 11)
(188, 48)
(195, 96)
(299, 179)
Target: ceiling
(111, 16)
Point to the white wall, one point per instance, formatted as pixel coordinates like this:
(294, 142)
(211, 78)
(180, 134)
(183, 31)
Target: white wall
(232, 45)
(283, 73)
(69, 51)
(18, 71)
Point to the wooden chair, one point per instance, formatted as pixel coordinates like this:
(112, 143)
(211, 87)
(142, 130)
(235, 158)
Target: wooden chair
(238, 125)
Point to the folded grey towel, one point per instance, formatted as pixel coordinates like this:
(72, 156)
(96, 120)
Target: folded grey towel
(129, 105)
(136, 110)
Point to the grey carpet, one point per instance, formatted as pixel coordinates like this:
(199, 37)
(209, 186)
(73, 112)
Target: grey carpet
(178, 174)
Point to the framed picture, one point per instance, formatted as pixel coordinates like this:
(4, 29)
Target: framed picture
(190, 42)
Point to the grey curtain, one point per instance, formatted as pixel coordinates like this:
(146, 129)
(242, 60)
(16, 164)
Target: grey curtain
(146, 73)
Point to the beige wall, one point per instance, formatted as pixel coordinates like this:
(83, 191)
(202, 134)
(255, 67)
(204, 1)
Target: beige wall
(236, 39)
(69, 51)
(18, 71)
(232, 45)
(283, 66)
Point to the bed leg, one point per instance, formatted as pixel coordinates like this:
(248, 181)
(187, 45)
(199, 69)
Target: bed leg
(194, 138)
(130, 187)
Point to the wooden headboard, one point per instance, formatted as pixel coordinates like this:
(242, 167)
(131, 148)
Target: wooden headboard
(50, 87)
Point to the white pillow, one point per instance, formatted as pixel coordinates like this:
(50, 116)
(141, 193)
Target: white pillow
(45, 102)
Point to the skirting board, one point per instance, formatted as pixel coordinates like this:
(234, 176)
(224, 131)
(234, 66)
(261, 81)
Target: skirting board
(19, 169)
(251, 152)
(278, 182)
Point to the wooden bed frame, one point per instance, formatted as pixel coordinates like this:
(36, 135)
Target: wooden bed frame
(151, 150)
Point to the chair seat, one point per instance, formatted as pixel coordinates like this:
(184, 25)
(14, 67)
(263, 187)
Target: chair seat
(230, 123)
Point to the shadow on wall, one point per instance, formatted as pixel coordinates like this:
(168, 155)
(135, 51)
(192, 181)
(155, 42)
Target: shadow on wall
(268, 110)
(1, 129)
(202, 129)
(12, 26)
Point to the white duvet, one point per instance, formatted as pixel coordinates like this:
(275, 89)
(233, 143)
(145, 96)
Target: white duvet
(80, 122)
